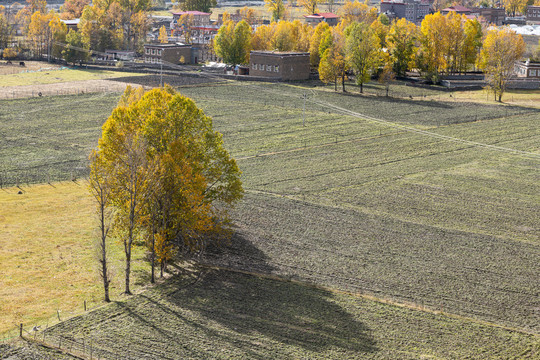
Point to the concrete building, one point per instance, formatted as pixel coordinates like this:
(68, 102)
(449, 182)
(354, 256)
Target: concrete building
(412, 10)
(533, 15)
(493, 16)
(171, 53)
(527, 69)
(280, 65)
(313, 19)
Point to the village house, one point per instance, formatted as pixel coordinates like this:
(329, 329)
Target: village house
(412, 10)
(280, 65)
(314, 19)
(169, 53)
(533, 15)
(493, 16)
(527, 69)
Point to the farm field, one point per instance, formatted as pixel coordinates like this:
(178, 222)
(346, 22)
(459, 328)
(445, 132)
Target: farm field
(47, 255)
(224, 315)
(418, 201)
(52, 76)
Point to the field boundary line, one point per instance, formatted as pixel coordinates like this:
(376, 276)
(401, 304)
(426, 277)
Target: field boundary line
(410, 306)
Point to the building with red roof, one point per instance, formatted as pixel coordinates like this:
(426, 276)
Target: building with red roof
(313, 19)
(457, 9)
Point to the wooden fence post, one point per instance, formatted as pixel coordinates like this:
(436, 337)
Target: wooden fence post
(20, 331)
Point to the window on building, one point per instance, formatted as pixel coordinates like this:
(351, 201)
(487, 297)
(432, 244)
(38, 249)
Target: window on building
(159, 52)
(153, 51)
(254, 66)
(147, 51)
(533, 73)
(276, 68)
(268, 67)
(261, 66)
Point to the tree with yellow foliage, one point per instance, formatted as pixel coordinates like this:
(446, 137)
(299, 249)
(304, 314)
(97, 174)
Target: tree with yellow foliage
(163, 36)
(262, 37)
(318, 33)
(233, 42)
(501, 49)
(363, 51)
(283, 39)
(171, 180)
(333, 64)
(401, 41)
(310, 6)
(356, 11)
(515, 6)
(276, 8)
(430, 58)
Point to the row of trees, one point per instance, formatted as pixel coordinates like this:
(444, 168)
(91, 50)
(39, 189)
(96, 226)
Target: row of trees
(104, 24)
(161, 178)
(440, 45)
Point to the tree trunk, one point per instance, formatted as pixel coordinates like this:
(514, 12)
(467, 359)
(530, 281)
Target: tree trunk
(343, 82)
(128, 266)
(361, 88)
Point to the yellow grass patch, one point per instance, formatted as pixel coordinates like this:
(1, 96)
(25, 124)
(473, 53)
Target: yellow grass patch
(47, 254)
(58, 76)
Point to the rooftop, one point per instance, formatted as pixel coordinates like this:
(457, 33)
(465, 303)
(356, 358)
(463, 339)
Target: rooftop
(279, 53)
(190, 13)
(458, 8)
(322, 16)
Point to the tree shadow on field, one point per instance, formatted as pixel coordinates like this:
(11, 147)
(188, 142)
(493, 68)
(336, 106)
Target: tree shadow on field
(294, 315)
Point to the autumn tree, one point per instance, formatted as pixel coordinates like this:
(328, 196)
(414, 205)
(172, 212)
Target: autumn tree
(472, 44)
(72, 9)
(386, 77)
(100, 189)
(356, 11)
(198, 5)
(363, 52)
(262, 37)
(400, 42)
(163, 37)
(276, 8)
(5, 31)
(318, 33)
(515, 6)
(501, 49)
(75, 50)
(430, 59)
(309, 6)
(171, 177)
(58, 32)
(248, 14)
(284, 38)
(39, 32)
(233, 42)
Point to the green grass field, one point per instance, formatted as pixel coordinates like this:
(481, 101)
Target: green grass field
(402, 199)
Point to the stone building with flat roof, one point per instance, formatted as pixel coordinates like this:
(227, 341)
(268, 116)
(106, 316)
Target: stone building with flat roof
(284, 66)
(170, 53)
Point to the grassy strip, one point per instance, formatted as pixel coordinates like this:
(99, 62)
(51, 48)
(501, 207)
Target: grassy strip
(226, 315)
(47, 254)
(58, 76)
